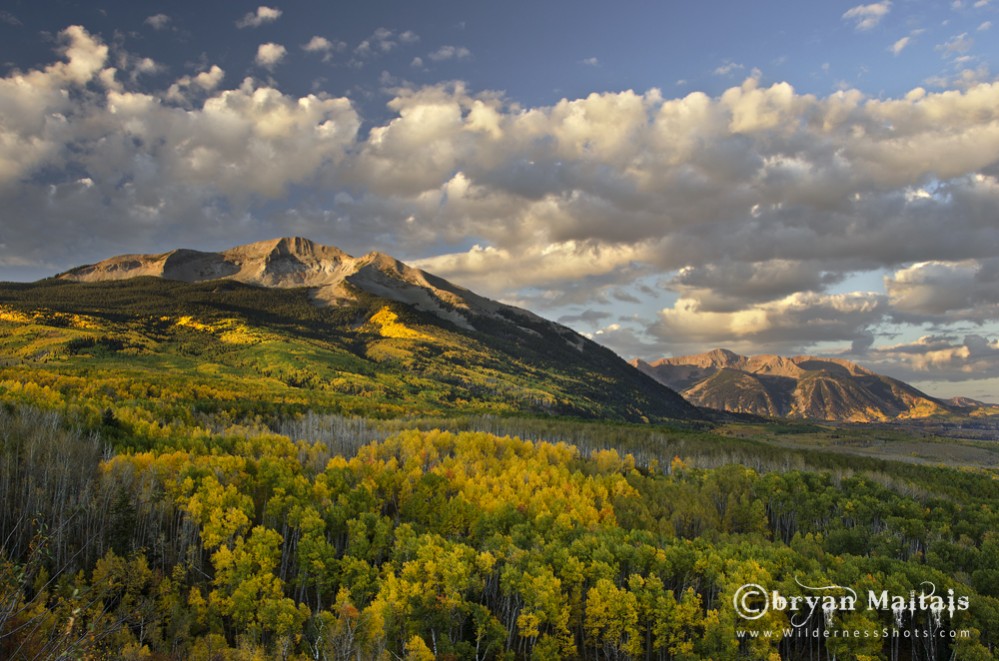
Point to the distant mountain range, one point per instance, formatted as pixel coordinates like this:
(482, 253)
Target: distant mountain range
(802, 387)
(379, 331)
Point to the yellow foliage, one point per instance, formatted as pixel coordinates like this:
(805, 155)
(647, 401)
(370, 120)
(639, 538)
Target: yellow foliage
(74, 320)
(390, 326)
(417, 650)
(228, 331)
(190, 322)
(84, 322)
(13, 316)
(923, 409)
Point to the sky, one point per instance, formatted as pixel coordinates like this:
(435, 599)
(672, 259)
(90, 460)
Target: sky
(664, 177)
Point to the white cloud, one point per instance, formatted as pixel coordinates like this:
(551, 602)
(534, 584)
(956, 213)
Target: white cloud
(495, 271)
(728, 68)
(966, 290)
(270, 55)
(900, 45)
(323, 46)
(590, 62)
(318, 45)
(158, 21)
(970, 358)
(987, 25)
(866, 17)
(801, 318)
(450, 53)
(206, 81)
(750, 206)
(956, 45)
(148, 66)
(260, 17)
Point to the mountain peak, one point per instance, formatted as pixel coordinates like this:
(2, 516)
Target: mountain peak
(289, 246)
(716, 358)
(332, 274)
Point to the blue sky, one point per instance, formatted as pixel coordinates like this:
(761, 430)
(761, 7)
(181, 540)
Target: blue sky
(666, 177)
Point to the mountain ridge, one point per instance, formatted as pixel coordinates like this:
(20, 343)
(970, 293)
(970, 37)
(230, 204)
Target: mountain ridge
(796, 387)
(289, 262)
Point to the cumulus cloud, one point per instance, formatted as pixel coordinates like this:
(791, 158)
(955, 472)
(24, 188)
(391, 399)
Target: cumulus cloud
(750, 208)
(942, 358)
(900, 45)
(730, 286)
(158, 21)
(270, 55)
(318, 45)
(324, 47)
(10, 19)
(146, 162)
(866, 17)
(966, 290)
(798, 319)
(205, 81)
(590, 62)
(450, 53)
(255, 19)
(556, 265)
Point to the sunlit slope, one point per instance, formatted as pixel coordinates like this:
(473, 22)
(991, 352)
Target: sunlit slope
(153, 348)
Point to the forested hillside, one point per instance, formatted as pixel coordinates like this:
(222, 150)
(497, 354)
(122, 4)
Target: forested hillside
(468, 545)
(159, 352)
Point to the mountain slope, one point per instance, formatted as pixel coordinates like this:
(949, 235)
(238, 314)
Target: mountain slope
(803, 387)
(288, 325)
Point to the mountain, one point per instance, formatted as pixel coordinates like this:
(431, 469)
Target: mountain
(804, 387)
(290, 325)
(296, 262)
